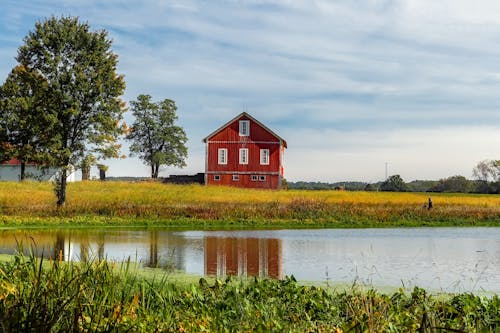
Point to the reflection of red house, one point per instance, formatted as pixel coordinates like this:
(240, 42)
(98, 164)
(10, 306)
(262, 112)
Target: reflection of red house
(243, 257)
(244, 153)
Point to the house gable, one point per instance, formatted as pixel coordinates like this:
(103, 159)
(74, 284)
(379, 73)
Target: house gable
(231, 132)
(244, 153)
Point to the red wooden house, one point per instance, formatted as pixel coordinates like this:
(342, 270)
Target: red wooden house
(244, 153)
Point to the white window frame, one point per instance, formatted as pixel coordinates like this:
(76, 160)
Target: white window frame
(244, 128)
(244, 156)
(217, 178)
(264, 156)
(236, 178)
(262, 178)
(222, 156)
(254, 178)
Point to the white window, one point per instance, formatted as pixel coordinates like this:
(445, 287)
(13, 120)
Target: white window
(222, 155)
(244, 127)
(243, 155)
(217, 177)
(264, 156)
(236, 178)
(262, 178)
(254, 178)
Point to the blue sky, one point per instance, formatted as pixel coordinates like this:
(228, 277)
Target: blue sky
(350, 84)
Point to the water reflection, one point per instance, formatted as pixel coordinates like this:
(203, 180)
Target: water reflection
(449, 259)
(243, 257)
(154, 248)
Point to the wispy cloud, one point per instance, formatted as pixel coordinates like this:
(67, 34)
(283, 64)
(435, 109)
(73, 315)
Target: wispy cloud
(344, 72)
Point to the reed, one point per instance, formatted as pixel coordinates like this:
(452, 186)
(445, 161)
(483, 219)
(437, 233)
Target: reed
(43, 295)
(153, 202)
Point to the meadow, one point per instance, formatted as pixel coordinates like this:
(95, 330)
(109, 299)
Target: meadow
(39, 295)
(154, 203)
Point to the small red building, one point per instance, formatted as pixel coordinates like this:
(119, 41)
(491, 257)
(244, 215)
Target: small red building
(244, 153)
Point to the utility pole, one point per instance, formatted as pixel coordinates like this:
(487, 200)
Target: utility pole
(386, 167)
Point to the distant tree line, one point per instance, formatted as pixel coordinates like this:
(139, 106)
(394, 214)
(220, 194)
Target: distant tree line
(486, 174)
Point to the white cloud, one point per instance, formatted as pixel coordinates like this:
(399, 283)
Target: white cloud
(378, 79)
(332, 155)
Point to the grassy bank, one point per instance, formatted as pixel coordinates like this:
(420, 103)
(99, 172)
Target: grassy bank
(102, 296)
(151, 203)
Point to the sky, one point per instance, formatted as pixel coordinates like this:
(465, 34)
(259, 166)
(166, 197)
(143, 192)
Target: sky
(353, 86)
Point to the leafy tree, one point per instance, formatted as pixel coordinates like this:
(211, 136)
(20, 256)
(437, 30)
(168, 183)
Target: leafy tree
(421, 185)
(23, 118)
(4, 145)
(82, 99)
(155, 137)
(394, 184)
(482, 171)
(487, 172)
(4, 150)
(454, 184)
(370, 187)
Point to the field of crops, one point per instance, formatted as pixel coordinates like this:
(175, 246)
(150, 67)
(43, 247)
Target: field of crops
(99, 296)
(155, 203)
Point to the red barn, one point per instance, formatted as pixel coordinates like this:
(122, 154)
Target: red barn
(244, 153)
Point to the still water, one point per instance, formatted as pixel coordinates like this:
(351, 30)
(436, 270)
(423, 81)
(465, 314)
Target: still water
(448, 259)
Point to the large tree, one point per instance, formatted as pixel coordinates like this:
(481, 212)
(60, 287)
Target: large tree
(454, 184)
(155, 137)
(487, 172)
(84, 89)
(394, 184)
(23, 120)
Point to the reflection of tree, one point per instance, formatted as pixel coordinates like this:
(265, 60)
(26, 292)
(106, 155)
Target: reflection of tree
(100, 246)
(84, 248)
(59, 247)
(153, 249)
(165, 250)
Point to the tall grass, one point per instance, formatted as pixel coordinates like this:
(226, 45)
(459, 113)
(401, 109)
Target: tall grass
(152, 201)
(39, 295)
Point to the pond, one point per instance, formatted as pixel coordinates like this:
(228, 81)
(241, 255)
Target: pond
(447, 259)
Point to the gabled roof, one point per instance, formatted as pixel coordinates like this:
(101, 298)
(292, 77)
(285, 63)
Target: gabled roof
(244, 114)
(15, 161)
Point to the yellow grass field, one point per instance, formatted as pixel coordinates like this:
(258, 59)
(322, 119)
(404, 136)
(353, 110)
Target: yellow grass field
(154, 201)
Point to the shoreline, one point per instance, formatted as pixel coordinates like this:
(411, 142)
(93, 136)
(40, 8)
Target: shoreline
(81, 222)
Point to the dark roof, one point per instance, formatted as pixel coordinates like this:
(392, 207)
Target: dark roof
(244, 114)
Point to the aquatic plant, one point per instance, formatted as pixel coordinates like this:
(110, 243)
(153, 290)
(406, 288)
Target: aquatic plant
(40, 295)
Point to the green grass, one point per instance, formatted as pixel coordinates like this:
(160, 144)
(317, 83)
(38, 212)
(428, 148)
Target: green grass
(39, 295)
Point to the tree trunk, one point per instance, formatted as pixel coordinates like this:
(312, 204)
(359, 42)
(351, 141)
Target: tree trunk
(61, 190)
(23, 170)
(155, 169)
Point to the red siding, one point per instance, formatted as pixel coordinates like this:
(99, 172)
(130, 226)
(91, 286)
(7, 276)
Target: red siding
(233, 157)
(244, 257)
(245, 180)
(260, 138)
